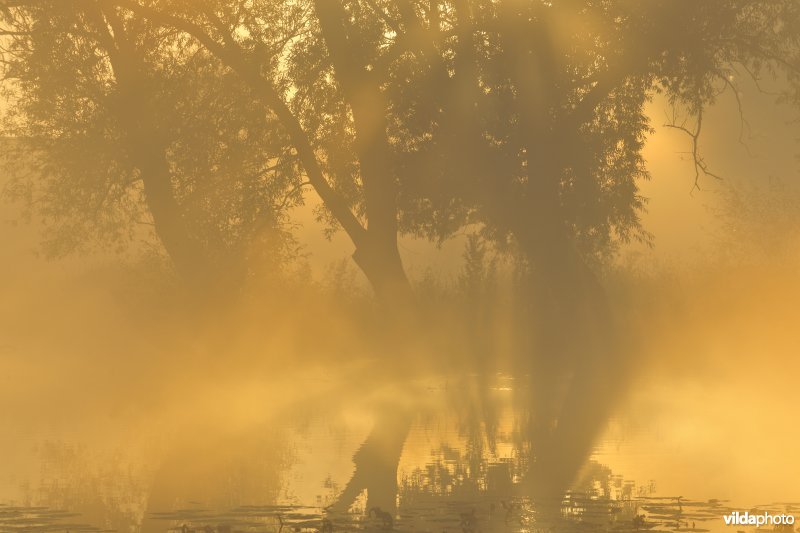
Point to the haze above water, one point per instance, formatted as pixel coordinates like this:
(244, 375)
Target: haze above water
(115, 407)
(128, 403)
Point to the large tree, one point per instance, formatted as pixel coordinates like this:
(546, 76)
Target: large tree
(119, 128)
(333, 113)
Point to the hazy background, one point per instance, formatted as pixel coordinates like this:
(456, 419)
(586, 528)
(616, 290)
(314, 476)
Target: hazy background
(120, 397)
(85, 363)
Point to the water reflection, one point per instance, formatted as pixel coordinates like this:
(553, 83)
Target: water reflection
(20, 518)
(439, 454)
(578, 511)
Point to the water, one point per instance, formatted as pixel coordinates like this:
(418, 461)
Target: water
(277, 455)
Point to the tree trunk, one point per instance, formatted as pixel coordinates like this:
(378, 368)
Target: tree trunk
(575, 368)
(186, 253)
(377, 255)
(575, 344)
(383, 268)
(147, 151)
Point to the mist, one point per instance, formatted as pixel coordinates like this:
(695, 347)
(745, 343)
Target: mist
(477, 266)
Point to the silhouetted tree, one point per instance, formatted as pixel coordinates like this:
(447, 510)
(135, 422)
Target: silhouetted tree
(119, 132)
(332, 112)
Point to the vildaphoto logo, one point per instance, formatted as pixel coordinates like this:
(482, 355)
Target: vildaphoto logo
(746, 519)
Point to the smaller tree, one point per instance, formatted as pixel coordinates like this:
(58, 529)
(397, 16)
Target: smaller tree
(122, 125)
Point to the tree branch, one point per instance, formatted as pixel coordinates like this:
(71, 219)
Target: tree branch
(700, 166)
(233, 56)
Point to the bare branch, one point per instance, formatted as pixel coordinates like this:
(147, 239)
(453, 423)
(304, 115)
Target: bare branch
(700, 166)
(743, 123)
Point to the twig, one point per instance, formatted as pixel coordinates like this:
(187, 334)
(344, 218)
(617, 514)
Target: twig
(700, 165)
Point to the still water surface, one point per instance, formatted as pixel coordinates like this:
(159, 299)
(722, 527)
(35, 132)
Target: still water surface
(280, 455)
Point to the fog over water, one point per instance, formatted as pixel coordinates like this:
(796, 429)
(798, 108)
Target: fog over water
(352, 287)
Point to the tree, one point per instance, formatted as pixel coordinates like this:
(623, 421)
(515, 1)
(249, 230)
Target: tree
(124, 134)
(533, 126)
(254, 40)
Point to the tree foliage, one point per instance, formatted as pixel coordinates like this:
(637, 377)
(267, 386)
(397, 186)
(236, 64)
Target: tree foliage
(100, 101)
(410, 116)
